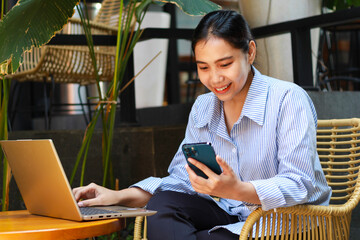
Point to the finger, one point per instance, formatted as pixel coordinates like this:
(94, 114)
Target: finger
(78, 196)
(190, 171)
(77, 193)
(226, 168)
(192, 174)
(75, 190)
(84, 192)
(89, 202)
(208, 172)
(196, 181)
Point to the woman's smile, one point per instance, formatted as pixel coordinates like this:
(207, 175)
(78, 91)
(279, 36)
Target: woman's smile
(223, 89)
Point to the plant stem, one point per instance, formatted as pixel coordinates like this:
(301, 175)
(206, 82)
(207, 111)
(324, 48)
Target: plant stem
(4, 136)
(2, 9)
(109, 145)
(84, 147)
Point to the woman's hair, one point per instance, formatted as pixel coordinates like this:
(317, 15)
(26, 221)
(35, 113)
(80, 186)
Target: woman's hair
(225, 24)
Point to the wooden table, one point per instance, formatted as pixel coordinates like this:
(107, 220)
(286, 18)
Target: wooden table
(22, 225)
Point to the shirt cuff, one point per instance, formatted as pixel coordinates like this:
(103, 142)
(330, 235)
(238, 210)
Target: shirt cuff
(269, 194)
(150, 184)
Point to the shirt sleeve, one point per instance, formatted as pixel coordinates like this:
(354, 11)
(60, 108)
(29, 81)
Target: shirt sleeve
(178, 179)
(296, 146)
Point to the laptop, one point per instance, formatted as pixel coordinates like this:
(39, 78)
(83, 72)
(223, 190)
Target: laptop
(45, 188)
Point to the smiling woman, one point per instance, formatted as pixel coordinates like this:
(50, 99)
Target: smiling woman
(262, 130)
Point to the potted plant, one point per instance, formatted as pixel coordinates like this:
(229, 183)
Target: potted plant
(27, 24)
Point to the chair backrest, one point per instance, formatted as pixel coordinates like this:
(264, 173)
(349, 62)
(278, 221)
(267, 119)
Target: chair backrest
(108, 13)
(338, 146)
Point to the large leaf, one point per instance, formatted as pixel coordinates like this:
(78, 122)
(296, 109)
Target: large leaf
(141, 8)
(31, 23)
(194, 7)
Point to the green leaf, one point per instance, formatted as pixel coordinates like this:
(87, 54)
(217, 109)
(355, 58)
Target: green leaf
(194, 7)
(31, 23)
(143, 6)
(160, 4)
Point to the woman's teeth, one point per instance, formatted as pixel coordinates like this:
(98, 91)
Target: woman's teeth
(223, 88)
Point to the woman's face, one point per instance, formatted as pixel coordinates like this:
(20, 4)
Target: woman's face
(222, 68)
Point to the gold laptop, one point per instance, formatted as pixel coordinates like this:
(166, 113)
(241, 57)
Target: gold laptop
(44, 186)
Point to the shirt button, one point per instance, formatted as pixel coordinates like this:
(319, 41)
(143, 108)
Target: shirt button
(234, 150)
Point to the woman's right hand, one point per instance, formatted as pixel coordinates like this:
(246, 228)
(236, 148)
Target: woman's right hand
(95, 195)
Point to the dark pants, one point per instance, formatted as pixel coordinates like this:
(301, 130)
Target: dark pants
(183, 216)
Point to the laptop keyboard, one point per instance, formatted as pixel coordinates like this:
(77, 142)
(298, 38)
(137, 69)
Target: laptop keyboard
(94, 211)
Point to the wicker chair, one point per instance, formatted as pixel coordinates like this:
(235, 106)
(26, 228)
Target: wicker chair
(70, 63)
(338, 146)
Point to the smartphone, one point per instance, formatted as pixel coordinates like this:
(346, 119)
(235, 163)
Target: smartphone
(202, 152)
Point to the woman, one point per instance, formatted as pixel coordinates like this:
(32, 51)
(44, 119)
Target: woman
(263, 130)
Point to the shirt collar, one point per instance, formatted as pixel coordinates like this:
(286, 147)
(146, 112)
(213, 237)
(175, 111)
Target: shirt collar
(254, 107)
(213, 112)
(255, 103)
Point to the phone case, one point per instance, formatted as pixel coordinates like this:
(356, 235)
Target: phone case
(203, 152)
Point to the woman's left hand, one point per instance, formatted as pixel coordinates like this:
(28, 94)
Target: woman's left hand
(225, 185)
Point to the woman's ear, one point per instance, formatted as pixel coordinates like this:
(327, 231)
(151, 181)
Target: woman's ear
(252, 52)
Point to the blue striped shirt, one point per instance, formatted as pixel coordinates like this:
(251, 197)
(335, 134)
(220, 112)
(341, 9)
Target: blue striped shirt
(272, 146)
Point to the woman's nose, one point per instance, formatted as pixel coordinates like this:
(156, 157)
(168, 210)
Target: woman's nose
(217, 77)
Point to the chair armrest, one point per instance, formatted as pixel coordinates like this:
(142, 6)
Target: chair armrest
(291, 212)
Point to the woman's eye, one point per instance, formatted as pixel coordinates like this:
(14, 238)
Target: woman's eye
(226, 64)
(203, 68)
